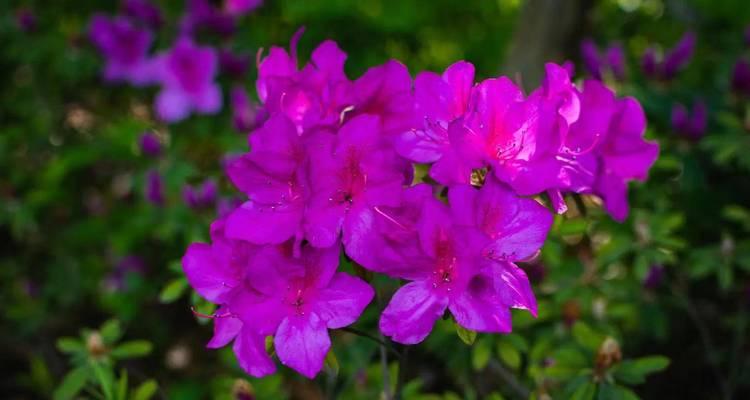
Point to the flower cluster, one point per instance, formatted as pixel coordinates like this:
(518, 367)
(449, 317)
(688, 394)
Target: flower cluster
(187, 71)
(331, 169)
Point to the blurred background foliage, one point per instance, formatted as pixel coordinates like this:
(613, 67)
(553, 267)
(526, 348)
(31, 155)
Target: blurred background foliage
(87, 263)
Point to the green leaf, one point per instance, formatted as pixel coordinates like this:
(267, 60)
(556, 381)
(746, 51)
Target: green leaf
(467, 336)
(135, 348)
(615, 392)
(70, 345)
(586, 337)
(106, 380)
(71, 384)
(111, 331)
(480, 355)
(145, 391)
(634, 372)
(173, 290)
(509, 354)
(584, 391)
(517, 341)
(122, 385)
(331, 363)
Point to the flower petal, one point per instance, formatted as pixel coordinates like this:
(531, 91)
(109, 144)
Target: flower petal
(250, 349)
(342, 302)
(412, 312)
(262, 224)
(210, 277)
(302, 343)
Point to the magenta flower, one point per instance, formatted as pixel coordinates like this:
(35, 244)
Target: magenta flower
(650, 63)
(125, 49)
(241, 7)
(187, 73)
(273, 177)
(203, 15)
(154, 190)
(143, 11)
(466, 265)
(625, 156)
(679, 56)
(245, 116)
(439, 101)
(202, 196)
(349, 173)
(597, 64)
(692, 126)
(385, 91)
(741, 77)
(315, 95)
(26, 19)
(234, 64)
(150, 144)
(268, 291)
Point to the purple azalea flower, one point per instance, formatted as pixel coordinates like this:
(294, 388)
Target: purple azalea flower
(349, 174)
(591, 58)
(570, 66)
(692, 126)
(187, 75)
(241, 7)
(144, 11)
(467, 263)
(655, 277)
(386, 91)
(650, 62)
(130, 264)
(125, 48)
(624, 156)
(615, 57)
(273, 177)
(234, 64)
(439, 101)
(245, 116)
(150, 144)
(741, 77)
(268, 291)
(154, 188)
(203, 196)
(226, 205)
(26, 19)
(679, 56)
(317, 94)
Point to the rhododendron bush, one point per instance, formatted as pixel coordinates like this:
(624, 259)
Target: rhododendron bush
(247, 199)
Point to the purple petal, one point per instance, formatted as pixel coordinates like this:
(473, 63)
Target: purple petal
(225, 330)
(343, 300)
(209, 277)
(172, 106)
(250, 349)
(412, 312)
(302, 343)
(480, 308)
(263, 224)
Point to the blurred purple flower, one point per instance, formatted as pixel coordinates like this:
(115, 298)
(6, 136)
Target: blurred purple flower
(26, 19)
(741, 77)
(679, 56)
(649, 62)
(691, 126)
(130, 264)
(143, 11)
(570, 66)
(150, 144)
(241, 7)
(201, 14)
(125, 49)
(596, 64)
(154, 188)
(187, 73)
(226, 205)
(654, 278)
(245, 116)
(234, 64)
(203, 196)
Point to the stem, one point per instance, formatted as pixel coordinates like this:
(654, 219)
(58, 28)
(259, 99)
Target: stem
(382, 343)
(518, 388)
(402, 368)
(386, 374)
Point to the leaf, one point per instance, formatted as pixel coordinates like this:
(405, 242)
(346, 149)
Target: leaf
(122, 385)
(173, 290)
(584, 391)
(111, 331)
(132, 349)
(105, 379)
(480, 355)
(615, 392)
(145, 391)
(73, 382)
(467, 336)
(70, 345)
(634, 372)
(517, 341)
(331, 363)
(586, 337)
(509, 354)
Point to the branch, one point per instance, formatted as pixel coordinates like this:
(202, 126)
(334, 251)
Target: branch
(518, 388)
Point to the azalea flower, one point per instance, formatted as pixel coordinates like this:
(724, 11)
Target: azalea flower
(143, 11)
(202, 196)
(154, 191)
(690, 125)
(596, 63)
(467, 263)
(245, 116)
(674, 60)
(149, 144)
(241, 7)
(125, 49)
(187, 74)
